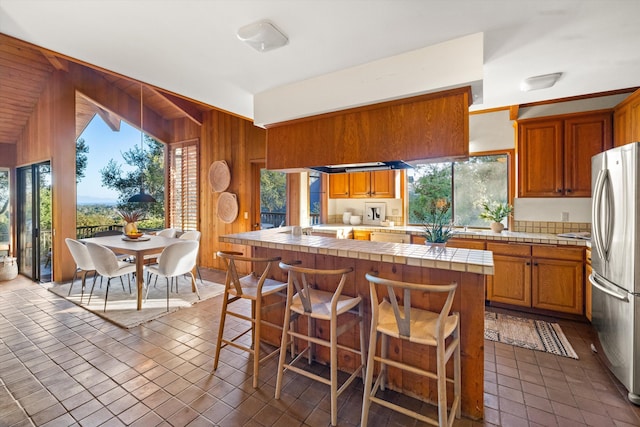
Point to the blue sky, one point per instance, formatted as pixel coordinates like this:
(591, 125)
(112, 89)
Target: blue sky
(104, 144)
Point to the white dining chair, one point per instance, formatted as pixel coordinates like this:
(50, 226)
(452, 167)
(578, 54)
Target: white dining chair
(84, 264)
(192, 235)
(176, 260)
(107, 265)
(167, 232)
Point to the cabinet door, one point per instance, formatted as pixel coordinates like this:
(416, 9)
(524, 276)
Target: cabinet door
(584, 137)
(361, 235)
(511, 280)
(359, 184)
(634, 119)
(466, 244)
(540, 158)
(383, 184)
(557, 285)
(339, 186)
(622, 126)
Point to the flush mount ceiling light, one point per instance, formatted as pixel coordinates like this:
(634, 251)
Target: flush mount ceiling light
(262, 36)
(539, 82)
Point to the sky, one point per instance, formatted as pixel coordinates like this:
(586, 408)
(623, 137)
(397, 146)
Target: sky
(104, 144)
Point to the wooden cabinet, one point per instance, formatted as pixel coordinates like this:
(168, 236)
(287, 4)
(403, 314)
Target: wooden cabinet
(380, 184)
(467, 244)
(587, 285)
(339, 186)
(361, 235)
(511, 280)
(626, 120)
(538, 276)
(557, 283)
(554, 153)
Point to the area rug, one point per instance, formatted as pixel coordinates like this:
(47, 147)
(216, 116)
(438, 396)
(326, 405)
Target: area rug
(121, 306)
(527, 333)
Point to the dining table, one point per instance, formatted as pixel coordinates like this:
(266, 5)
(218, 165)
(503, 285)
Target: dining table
(144, 245)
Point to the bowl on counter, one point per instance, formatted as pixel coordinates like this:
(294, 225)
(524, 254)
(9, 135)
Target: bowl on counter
(355, 219)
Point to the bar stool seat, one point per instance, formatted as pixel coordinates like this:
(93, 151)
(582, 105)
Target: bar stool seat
(253, 287)
(397, 319)
(316, 304)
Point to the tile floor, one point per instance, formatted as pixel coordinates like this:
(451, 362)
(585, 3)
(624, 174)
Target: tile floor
(61, 365)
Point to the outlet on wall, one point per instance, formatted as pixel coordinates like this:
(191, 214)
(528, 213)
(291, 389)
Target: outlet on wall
(565, 216)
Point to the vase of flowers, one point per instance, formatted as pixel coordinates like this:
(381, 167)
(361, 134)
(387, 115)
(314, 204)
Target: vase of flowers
(131, 219)
(436, 222)
(496, 213)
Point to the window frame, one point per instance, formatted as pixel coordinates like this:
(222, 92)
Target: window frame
(511, 184)
(190, 208)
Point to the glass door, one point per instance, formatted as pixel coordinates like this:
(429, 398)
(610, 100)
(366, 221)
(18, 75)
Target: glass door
(34, 222)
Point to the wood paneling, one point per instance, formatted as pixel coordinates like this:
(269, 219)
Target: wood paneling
(7, 155)
(424, 127)
(238, 142)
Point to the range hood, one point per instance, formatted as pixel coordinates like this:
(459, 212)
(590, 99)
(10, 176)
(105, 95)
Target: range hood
(363, 167)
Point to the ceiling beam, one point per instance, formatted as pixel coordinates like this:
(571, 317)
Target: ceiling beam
(186, 107)
(112, 120)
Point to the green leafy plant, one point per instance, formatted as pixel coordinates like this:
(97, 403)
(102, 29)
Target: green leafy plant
(436, 222)
(495, 212)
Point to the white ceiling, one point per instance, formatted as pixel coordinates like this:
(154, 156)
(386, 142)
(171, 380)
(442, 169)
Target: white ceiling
(190, 46)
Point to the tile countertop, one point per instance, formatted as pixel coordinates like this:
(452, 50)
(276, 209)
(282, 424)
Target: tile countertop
(505, 236)
(469, 260)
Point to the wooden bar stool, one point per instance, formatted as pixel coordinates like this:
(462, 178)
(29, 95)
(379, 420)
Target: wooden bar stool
(391, 319)
(254, 287)
(315, 304)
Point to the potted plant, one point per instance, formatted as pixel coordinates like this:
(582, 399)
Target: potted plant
(496, 213)
(436, 222)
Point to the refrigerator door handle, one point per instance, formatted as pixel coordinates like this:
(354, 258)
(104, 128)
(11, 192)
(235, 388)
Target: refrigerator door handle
(598, 196)
(594, 281)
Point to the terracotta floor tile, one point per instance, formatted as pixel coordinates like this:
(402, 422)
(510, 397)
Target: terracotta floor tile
(66, 365)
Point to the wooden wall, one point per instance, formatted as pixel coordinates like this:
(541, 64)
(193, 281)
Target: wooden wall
(238, 142)
(7, 155)
(50, 135)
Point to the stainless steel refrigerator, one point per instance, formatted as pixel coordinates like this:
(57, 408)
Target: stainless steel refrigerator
(615, 255)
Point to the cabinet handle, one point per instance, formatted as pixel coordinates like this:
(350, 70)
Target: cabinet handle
(558, 190)
(528, 263)
(568, 190)
(535, 264)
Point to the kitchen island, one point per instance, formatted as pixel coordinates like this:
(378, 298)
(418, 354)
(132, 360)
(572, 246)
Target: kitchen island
(406, 262)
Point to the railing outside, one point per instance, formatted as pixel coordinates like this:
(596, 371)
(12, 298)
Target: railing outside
(278, 219)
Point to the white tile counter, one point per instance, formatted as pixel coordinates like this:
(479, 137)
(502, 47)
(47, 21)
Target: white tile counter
(455, 259)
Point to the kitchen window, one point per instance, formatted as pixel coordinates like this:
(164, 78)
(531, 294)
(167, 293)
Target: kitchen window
(483, 177)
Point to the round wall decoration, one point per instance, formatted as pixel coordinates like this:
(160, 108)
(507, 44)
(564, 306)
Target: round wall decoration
(219, 176)
(227, 207)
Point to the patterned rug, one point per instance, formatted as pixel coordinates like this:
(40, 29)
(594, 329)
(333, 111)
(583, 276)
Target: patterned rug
(121, 305)
(527, 333)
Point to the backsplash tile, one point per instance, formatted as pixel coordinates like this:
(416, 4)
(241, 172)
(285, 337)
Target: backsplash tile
(550, 227)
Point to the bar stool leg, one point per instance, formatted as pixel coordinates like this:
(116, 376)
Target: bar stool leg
(225, 302)
(283, 344)
(256, 307)
(334, 369)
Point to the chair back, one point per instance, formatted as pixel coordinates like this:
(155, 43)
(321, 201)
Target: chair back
(297, 278)
(104, 260)
(403, 313)
(80, 254)
(167, 232)
(233, 278)
(179, 258)
(191, 235)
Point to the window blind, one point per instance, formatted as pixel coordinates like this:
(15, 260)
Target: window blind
(183, 181)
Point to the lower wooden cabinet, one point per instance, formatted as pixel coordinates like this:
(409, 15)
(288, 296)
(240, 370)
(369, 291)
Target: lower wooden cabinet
(361, 235)
(538, 276)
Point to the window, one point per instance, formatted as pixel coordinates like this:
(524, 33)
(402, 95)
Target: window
(483, 177)
(315, 197)
(273, 198)
(4, 212)
(183, 186)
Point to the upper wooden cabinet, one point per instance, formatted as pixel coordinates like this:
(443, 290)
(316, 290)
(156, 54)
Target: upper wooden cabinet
(429, 126)
(626, 120)
(380, 184)
(554, 153)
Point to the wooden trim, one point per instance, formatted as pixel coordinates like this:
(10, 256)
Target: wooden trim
(490, 110)
(580, 97)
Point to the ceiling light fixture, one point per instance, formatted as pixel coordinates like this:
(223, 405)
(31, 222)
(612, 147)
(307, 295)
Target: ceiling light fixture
(141, 197)
(262, 36)
(539, 82)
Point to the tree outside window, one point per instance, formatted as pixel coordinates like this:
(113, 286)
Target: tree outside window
(481, 178)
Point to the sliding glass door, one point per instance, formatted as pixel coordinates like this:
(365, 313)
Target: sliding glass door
(34, 222)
